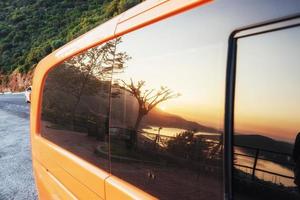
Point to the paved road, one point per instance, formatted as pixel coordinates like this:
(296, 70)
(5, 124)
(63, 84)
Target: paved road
(16, 177)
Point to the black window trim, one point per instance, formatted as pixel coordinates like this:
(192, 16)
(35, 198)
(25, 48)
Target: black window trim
(256, 29)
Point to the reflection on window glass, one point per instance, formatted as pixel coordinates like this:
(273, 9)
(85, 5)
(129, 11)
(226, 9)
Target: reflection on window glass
(159, 103)
(75, 110)
(166, 109)
(267, 116)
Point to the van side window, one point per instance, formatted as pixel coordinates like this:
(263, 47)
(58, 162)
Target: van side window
(167, 112)
(75, 108)
(147, 107)
(267, 116)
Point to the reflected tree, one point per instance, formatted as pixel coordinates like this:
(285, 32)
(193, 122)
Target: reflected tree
(147, 100)
(87, 74)
(186, 145)
(96, 63)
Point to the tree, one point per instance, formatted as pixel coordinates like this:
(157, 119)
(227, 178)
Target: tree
(147, 100)
(86, 74)
(27, 26)
(186, 145)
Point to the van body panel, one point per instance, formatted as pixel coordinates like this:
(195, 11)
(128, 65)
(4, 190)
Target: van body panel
(70, 169)
(50, 155)
(60, 174)
(79, 177)
(48, 186)
(116, 188)
(132, 20)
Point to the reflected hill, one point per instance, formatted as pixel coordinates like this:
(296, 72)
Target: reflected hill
(163, 119)
(125, 109)
(263, 142)
(270, 149)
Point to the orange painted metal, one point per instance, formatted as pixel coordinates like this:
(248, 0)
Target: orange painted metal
(49, 187)
(81, 178)
(119, 189)
(58, 173)
(49, 155)
(133, 20)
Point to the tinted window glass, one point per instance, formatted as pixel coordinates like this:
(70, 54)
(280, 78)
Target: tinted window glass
(159, 102)
(75, 110)
(167, 112)
(267, 116)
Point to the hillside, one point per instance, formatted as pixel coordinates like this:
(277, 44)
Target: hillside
(163, 119)
(128, 104)
(259, 141)
(31, 29)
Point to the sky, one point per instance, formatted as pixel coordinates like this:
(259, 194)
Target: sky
(267, 85)
(195, 66)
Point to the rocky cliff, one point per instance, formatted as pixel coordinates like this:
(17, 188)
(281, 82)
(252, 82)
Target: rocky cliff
(15, 82)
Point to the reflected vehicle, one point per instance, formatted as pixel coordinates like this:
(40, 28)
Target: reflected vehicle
(28, 94)
(172, 100)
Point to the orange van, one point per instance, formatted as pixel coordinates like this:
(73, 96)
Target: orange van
(173, 99)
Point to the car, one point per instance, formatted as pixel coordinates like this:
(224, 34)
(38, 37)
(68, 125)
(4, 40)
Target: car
(28, 94)
(177, 99)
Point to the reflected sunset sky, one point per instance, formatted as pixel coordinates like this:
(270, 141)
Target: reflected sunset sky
(188, 69)
(267, 86)
(195, 67)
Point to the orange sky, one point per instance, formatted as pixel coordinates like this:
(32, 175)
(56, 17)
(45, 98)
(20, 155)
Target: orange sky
(268, 78)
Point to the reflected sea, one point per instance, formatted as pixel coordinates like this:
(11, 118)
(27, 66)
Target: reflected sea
(265, 165)
(172, 132)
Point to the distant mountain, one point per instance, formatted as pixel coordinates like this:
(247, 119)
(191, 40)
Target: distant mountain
(263, 142)
(160, 118)
(124, 113)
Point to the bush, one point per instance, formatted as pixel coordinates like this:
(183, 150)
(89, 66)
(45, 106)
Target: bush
(186, 145)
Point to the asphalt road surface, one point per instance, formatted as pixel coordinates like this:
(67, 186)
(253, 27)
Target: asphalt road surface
(16, 176)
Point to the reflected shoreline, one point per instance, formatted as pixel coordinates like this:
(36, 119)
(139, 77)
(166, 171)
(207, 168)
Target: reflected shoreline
(172, 132)
(264, 164)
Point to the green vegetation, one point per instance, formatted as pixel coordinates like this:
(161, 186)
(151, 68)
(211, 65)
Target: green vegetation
(185, 145)
(31, 29)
